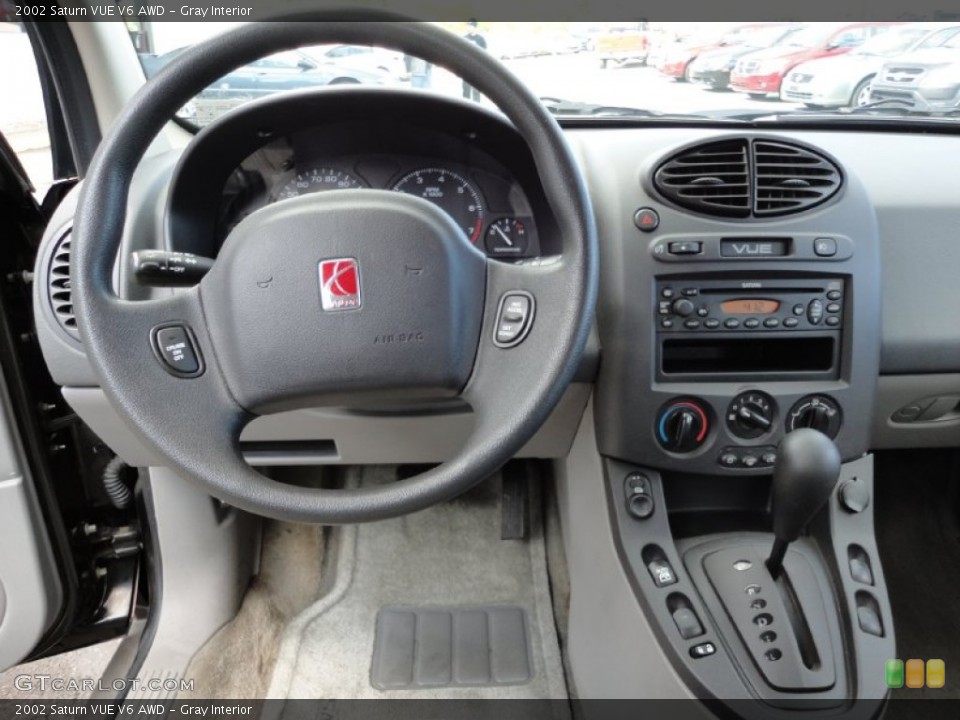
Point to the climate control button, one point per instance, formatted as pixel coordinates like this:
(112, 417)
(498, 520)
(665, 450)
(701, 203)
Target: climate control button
(682, 426)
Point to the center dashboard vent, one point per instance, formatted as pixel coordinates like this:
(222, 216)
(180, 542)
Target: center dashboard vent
(59, 289)
(743, 178)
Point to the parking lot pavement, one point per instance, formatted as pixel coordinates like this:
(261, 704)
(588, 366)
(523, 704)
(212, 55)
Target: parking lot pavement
(579, 77)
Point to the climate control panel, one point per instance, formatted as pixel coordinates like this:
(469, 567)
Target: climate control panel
(748, 432)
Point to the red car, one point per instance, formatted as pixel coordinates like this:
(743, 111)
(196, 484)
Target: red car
(676, 61)
(760, 73)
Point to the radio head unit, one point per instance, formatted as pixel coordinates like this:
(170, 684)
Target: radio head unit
(761, 305)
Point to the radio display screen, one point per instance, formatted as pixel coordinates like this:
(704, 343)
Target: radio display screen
(749, 306)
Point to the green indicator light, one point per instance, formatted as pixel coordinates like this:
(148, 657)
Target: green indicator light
(894, 673)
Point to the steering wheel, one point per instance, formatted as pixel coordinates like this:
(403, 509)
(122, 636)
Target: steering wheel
(374, 295)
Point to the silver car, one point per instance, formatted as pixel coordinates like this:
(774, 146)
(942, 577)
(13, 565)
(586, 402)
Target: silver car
(926, 80)
(845, 80)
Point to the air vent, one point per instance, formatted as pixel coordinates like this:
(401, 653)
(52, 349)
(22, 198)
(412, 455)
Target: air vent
(790, 179)
(740, 178)
(711, 178)
(58, 287)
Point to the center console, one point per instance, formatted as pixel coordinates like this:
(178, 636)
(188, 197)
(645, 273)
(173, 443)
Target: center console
(725, 329)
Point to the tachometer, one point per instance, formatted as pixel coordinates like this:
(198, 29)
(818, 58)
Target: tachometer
(316, 180)
(450, 192)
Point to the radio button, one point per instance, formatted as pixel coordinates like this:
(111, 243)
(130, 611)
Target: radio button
(665, 307)
(751, 323)
(771, 323)
(833, 308)
(790, 322)
(666, 323)
(691, 324)
(749, 461)
(731, 323)
(691, 292)
(815, 312)
(768, 458)
(711, 324)
(703, 311)
(834, 295)
(833, 321)
(667, 293)
(799, 309)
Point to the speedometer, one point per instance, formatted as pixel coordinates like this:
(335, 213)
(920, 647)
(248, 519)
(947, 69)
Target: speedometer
(449, 192)
(316, 180)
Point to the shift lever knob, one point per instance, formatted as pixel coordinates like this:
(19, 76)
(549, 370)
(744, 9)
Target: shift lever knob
(804, 476)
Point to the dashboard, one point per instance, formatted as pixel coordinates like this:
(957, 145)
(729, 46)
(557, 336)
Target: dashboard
(719, 332)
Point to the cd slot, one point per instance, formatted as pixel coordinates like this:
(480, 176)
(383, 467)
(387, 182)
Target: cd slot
(748, 355)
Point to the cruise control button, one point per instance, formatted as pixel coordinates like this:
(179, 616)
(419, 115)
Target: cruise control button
(514, 320)
(176, 349)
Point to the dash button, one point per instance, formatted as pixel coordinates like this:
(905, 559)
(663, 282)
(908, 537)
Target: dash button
(176, 350)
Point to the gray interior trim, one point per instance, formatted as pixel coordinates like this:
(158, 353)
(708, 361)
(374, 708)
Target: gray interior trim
(209, 554)
(612, 650)
(358, 438)
(30, 590)
(895, 392)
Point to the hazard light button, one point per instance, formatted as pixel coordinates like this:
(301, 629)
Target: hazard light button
(646, 219)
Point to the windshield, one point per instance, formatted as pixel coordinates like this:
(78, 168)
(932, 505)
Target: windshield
(641, 69)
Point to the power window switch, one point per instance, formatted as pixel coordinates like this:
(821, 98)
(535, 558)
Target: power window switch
(687, 623)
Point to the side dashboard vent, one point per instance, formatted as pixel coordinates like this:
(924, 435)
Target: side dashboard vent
(59, 289)
(743, 178)
(712, 178)
(790, 179)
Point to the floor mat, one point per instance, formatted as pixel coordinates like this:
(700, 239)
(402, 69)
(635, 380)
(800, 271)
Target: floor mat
(919, 540)
(449, 557)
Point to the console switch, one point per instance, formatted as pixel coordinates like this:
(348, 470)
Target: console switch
(662, 573)
(687, 623)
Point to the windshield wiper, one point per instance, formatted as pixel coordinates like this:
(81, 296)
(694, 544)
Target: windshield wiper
(576, 108)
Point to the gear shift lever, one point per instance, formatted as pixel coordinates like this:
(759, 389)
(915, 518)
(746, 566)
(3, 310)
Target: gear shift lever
(806, 471)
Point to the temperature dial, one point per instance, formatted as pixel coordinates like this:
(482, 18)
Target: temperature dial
(818, 412)
(750, 415)
(682, 426)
